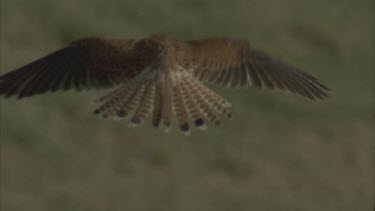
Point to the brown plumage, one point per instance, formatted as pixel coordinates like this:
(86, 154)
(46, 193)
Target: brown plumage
(159, 75)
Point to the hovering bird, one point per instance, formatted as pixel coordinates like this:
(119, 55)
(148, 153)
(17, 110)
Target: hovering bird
(159, 75)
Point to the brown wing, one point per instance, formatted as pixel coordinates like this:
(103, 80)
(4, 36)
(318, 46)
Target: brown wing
(234, 63)
(87, 63)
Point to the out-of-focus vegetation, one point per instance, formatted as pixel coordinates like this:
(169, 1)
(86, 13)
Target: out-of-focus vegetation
(281, 152)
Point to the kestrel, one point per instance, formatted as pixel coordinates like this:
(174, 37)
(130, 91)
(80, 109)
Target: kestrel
(159, 75)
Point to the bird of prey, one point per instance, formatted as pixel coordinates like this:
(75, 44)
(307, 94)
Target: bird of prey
(159, 75)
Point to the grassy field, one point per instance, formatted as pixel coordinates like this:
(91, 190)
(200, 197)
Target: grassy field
(280, 152)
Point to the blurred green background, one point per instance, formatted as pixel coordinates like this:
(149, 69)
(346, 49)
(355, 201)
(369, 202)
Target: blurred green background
(280, 152)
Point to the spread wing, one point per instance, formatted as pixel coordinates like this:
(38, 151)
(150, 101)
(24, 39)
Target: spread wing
(86, 63)
(234, 63)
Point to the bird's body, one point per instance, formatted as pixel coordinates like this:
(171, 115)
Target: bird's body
(159, 75)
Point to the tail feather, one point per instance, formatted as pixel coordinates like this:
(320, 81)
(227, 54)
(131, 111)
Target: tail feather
(193, 107)
(131, 102)
(120, 92)
(167, 88)
(157, 111)
(217, 102)
(180, 109)
(145, 104)
(205, 107)
(221, 106)
(114, 100)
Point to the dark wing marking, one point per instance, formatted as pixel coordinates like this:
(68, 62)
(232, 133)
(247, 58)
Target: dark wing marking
(87, 63)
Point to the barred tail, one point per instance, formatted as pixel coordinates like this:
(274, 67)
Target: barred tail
(196, 104)
(120, 102)
(145, 104)
(177, 96)
(180, 109)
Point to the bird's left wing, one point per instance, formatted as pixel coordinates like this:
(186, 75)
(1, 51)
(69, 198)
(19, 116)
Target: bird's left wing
(233, 63)
(87, 63)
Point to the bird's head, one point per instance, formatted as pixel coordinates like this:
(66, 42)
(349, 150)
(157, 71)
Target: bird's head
(160, 42)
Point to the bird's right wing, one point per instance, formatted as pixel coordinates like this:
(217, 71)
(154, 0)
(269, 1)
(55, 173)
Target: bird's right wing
(233, 63)
(86, 63)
